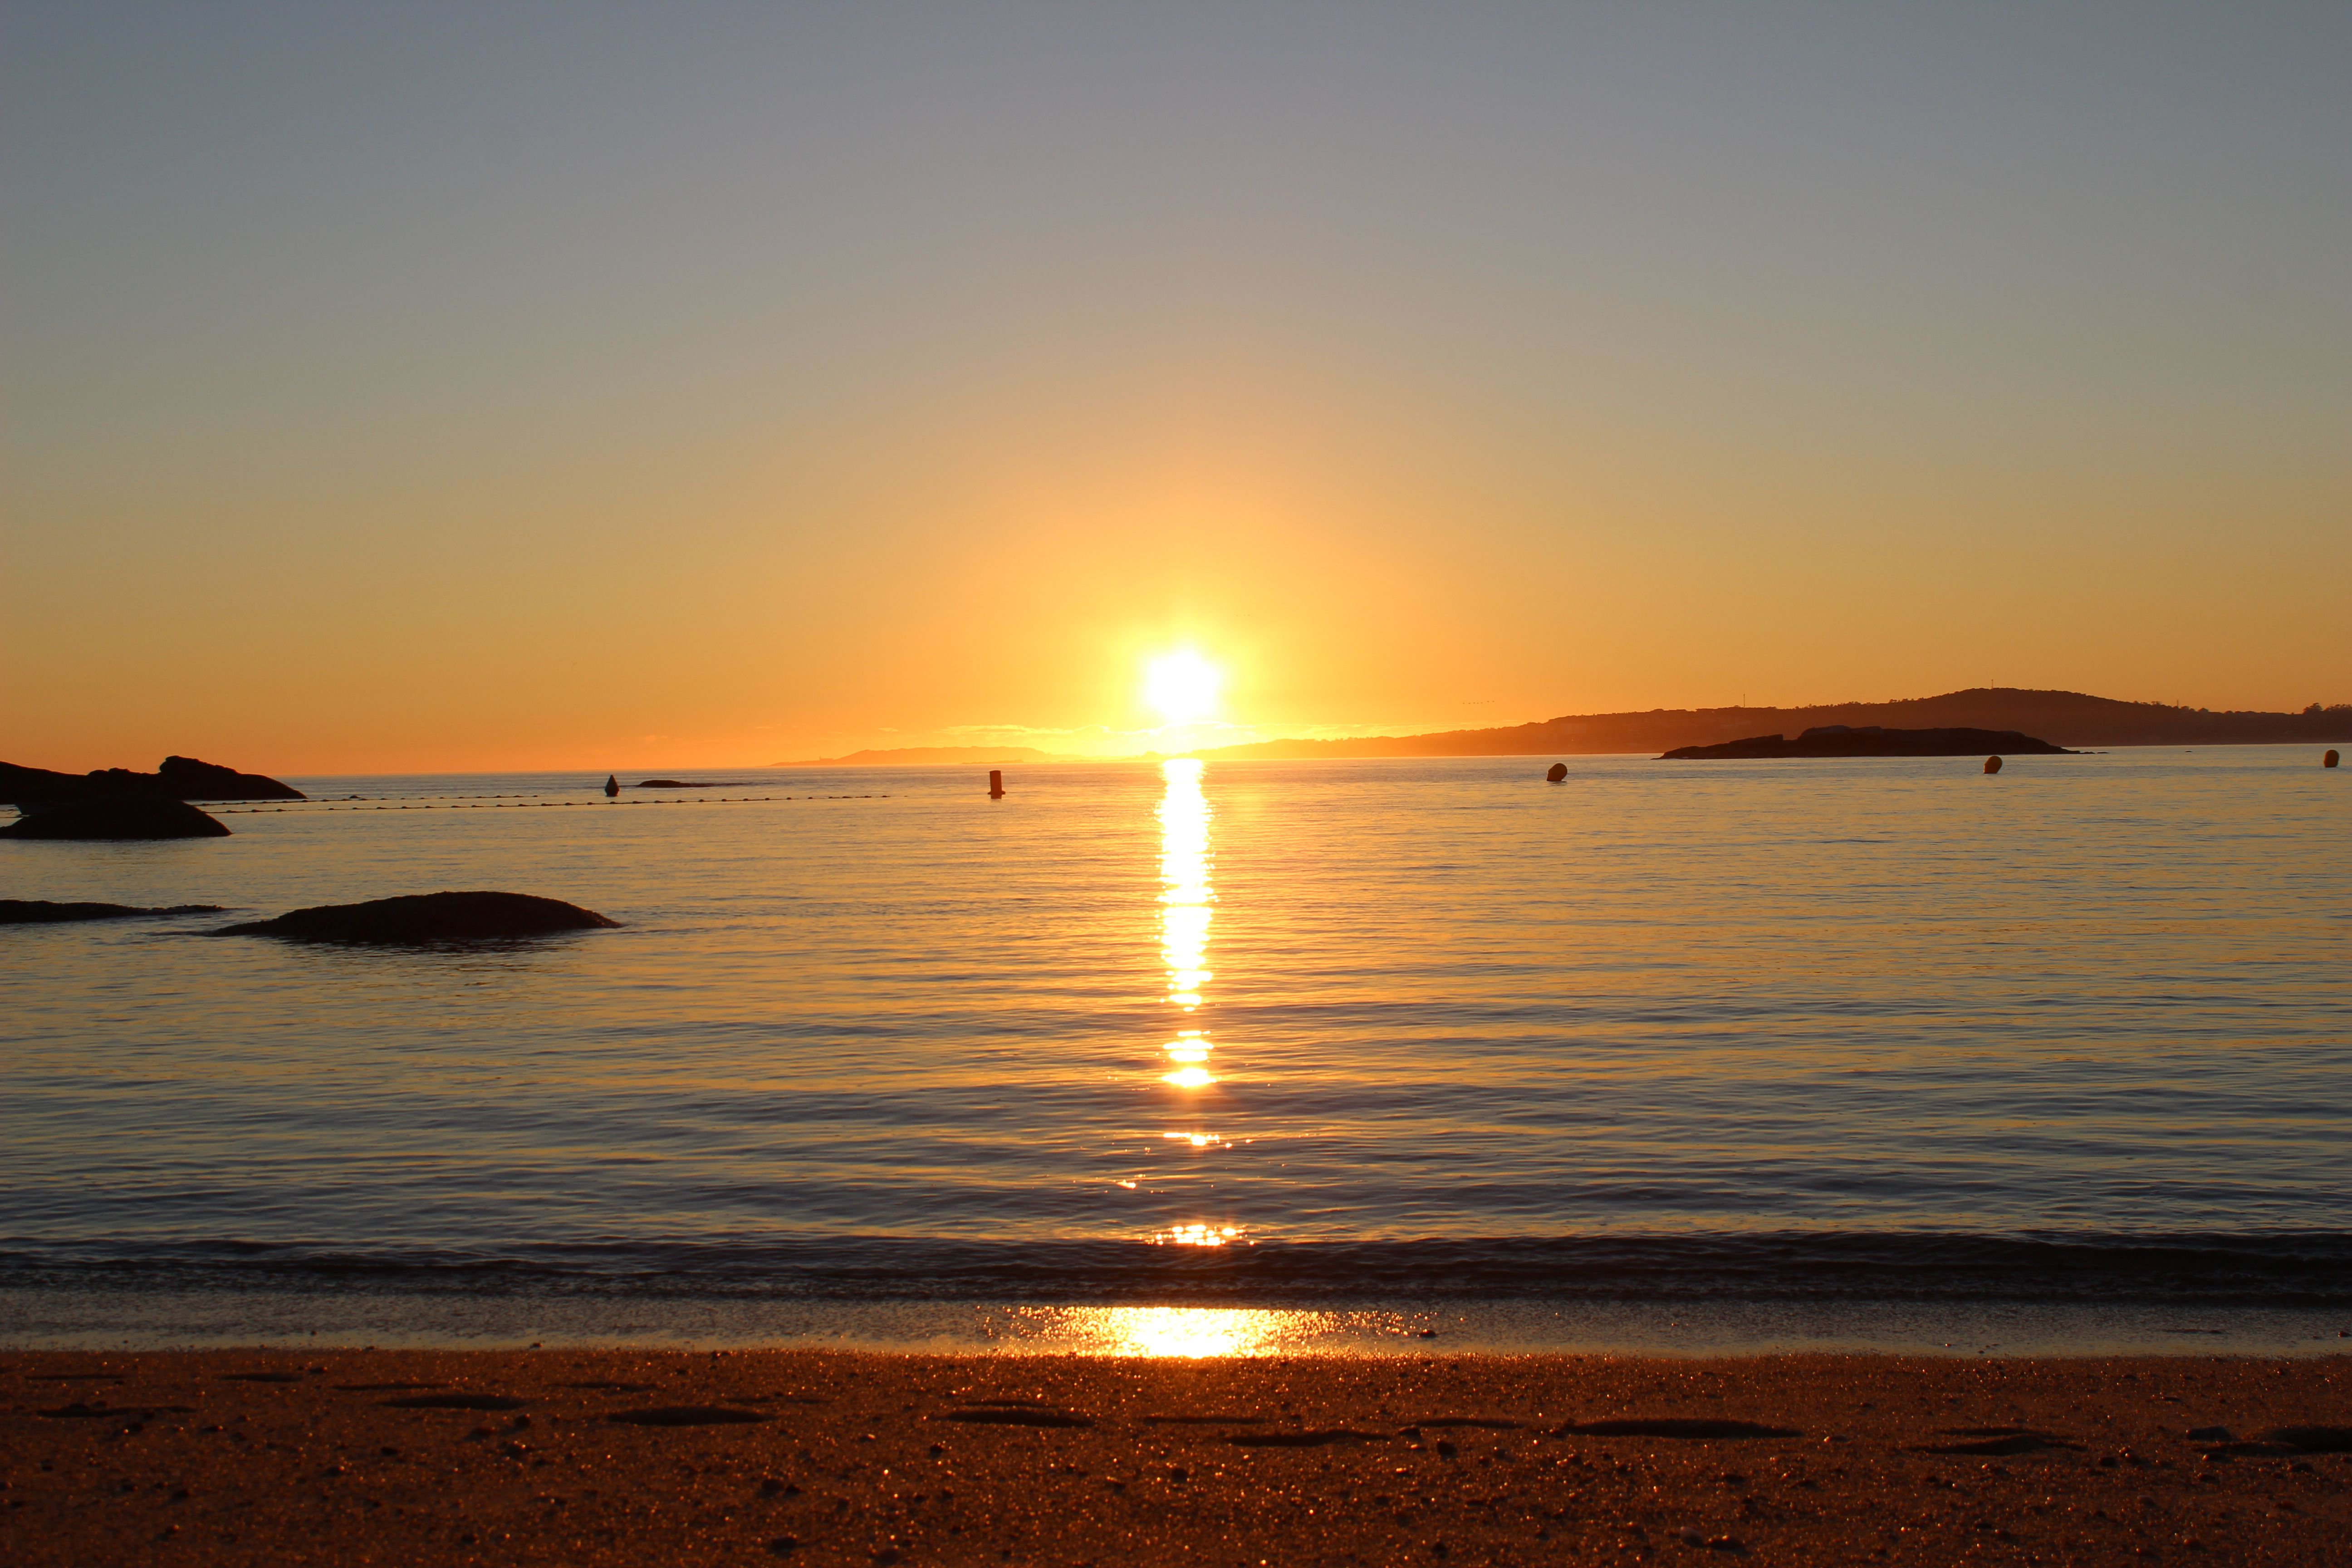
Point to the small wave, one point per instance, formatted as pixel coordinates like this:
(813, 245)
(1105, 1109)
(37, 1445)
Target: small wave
(2303, 1270)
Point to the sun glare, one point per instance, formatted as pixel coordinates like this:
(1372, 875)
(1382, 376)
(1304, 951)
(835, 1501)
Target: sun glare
(1183, 686)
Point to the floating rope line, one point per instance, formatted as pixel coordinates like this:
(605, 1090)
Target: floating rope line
(528, 805)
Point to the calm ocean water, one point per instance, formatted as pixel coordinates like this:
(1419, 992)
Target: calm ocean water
(1402, 1043)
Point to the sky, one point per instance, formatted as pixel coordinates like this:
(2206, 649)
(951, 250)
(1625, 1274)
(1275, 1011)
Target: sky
(422, 388)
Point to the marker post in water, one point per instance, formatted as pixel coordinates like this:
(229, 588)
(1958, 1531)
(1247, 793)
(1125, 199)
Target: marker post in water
(996, 784)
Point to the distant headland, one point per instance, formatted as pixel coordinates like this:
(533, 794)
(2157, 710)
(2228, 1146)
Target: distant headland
(1874, 741)
(2065, 719)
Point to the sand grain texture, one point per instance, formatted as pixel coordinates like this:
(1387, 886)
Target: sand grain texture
(187, 1458)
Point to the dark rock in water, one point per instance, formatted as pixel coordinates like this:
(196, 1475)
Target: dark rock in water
(117, 816)
(1556, 771)
(180, 778)
(428, 918)
(1871, 741)
(40, 912)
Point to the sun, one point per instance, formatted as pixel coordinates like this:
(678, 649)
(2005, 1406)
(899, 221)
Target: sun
(1183, 686)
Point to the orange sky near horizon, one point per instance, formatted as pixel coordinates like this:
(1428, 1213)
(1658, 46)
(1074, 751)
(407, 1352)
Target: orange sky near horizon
(732, 387)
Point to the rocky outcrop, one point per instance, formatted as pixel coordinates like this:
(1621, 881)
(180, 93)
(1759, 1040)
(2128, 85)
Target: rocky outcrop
(1871, 741)
(179, 778)
(428, 918)
(116, 817)
(41, 911)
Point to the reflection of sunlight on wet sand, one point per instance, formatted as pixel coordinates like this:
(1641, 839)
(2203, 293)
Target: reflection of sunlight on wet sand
(1195, 1333)
(1186, 1331)
(1190, 1330)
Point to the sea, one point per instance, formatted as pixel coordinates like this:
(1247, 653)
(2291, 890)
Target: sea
(1211, 1057)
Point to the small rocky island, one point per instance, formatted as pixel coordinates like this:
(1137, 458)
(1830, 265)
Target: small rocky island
(428, 918)
(179, 778)
(1871, 740)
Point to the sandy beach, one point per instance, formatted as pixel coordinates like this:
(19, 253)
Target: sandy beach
(611, 1457)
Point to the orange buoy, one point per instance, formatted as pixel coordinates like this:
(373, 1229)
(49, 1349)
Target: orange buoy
(1992, 765)
(2330, 760)
(1556, 771)
(996, 784)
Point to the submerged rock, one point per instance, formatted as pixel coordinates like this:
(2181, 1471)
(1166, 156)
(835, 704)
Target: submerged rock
(40, 912)
(117, 816)
(428, 918)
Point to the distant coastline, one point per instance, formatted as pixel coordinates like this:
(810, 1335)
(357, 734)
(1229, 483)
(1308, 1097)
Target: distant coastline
(2070, 719)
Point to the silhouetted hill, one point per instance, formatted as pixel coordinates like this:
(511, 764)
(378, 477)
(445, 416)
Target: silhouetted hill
(1871, 740)
(2063, 718)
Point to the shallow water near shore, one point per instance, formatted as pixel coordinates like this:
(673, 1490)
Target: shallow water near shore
(1886, 1050)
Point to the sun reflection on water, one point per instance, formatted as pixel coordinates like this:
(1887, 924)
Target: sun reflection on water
(1185, 914)
(1184, 895)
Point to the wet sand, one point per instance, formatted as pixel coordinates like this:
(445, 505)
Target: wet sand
(266, 1457)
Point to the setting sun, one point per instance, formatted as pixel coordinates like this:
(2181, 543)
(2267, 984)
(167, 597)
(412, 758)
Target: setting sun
(1183, 686)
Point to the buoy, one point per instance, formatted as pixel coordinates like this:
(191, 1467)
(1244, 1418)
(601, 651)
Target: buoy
(612, 785)
(1992, 765)
(1556, 771)
(996, 784)
(2331, 760)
